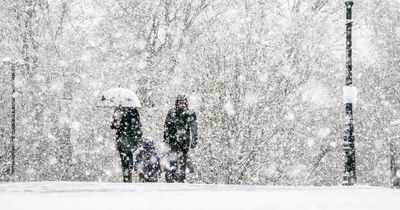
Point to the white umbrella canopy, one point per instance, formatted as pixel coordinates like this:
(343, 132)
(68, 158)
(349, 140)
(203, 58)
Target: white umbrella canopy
(116, 97)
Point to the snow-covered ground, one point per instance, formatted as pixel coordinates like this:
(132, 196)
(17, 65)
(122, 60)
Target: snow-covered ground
(99, 196)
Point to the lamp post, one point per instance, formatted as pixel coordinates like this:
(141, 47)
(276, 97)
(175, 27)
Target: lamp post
(394, 148)
(349, 175)
(12, 64)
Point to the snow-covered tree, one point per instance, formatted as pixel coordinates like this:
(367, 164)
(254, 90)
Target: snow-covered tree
(265, 78)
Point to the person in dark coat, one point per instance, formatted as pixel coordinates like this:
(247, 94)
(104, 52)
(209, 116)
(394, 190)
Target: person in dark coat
(126, 122)
(148, 162)
(180, 134)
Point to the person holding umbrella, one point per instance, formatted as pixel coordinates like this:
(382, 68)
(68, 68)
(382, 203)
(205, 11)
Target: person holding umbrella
(126, 123)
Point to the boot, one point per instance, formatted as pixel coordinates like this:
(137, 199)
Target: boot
(127, 175)
(128, 179)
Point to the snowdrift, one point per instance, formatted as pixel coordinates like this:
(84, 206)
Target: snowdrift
(118, 196)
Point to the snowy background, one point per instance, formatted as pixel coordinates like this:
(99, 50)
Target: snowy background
(265, 78)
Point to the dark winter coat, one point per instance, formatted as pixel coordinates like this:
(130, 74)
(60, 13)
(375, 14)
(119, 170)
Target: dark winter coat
(129, 133)
(148, 164)
(180, 129)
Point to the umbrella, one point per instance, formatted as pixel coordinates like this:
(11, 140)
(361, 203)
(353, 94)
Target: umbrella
(116, 97)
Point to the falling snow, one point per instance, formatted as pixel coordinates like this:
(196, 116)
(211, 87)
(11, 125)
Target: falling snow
(265, 78)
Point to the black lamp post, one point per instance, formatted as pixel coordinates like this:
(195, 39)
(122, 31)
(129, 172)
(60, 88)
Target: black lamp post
(13, 65)
(349, 175)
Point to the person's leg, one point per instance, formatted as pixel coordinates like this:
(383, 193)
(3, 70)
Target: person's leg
(129, 157)
(169, 176)
(141, 177)
(122, 155)
(170, 173)
(126, 163)
(182, 159)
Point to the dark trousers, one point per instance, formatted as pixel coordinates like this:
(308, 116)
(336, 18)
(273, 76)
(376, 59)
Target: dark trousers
(143, 178)
(177, 169)
(126, 162)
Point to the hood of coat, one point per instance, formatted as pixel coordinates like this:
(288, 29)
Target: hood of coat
(181, 98)
(148, 144)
